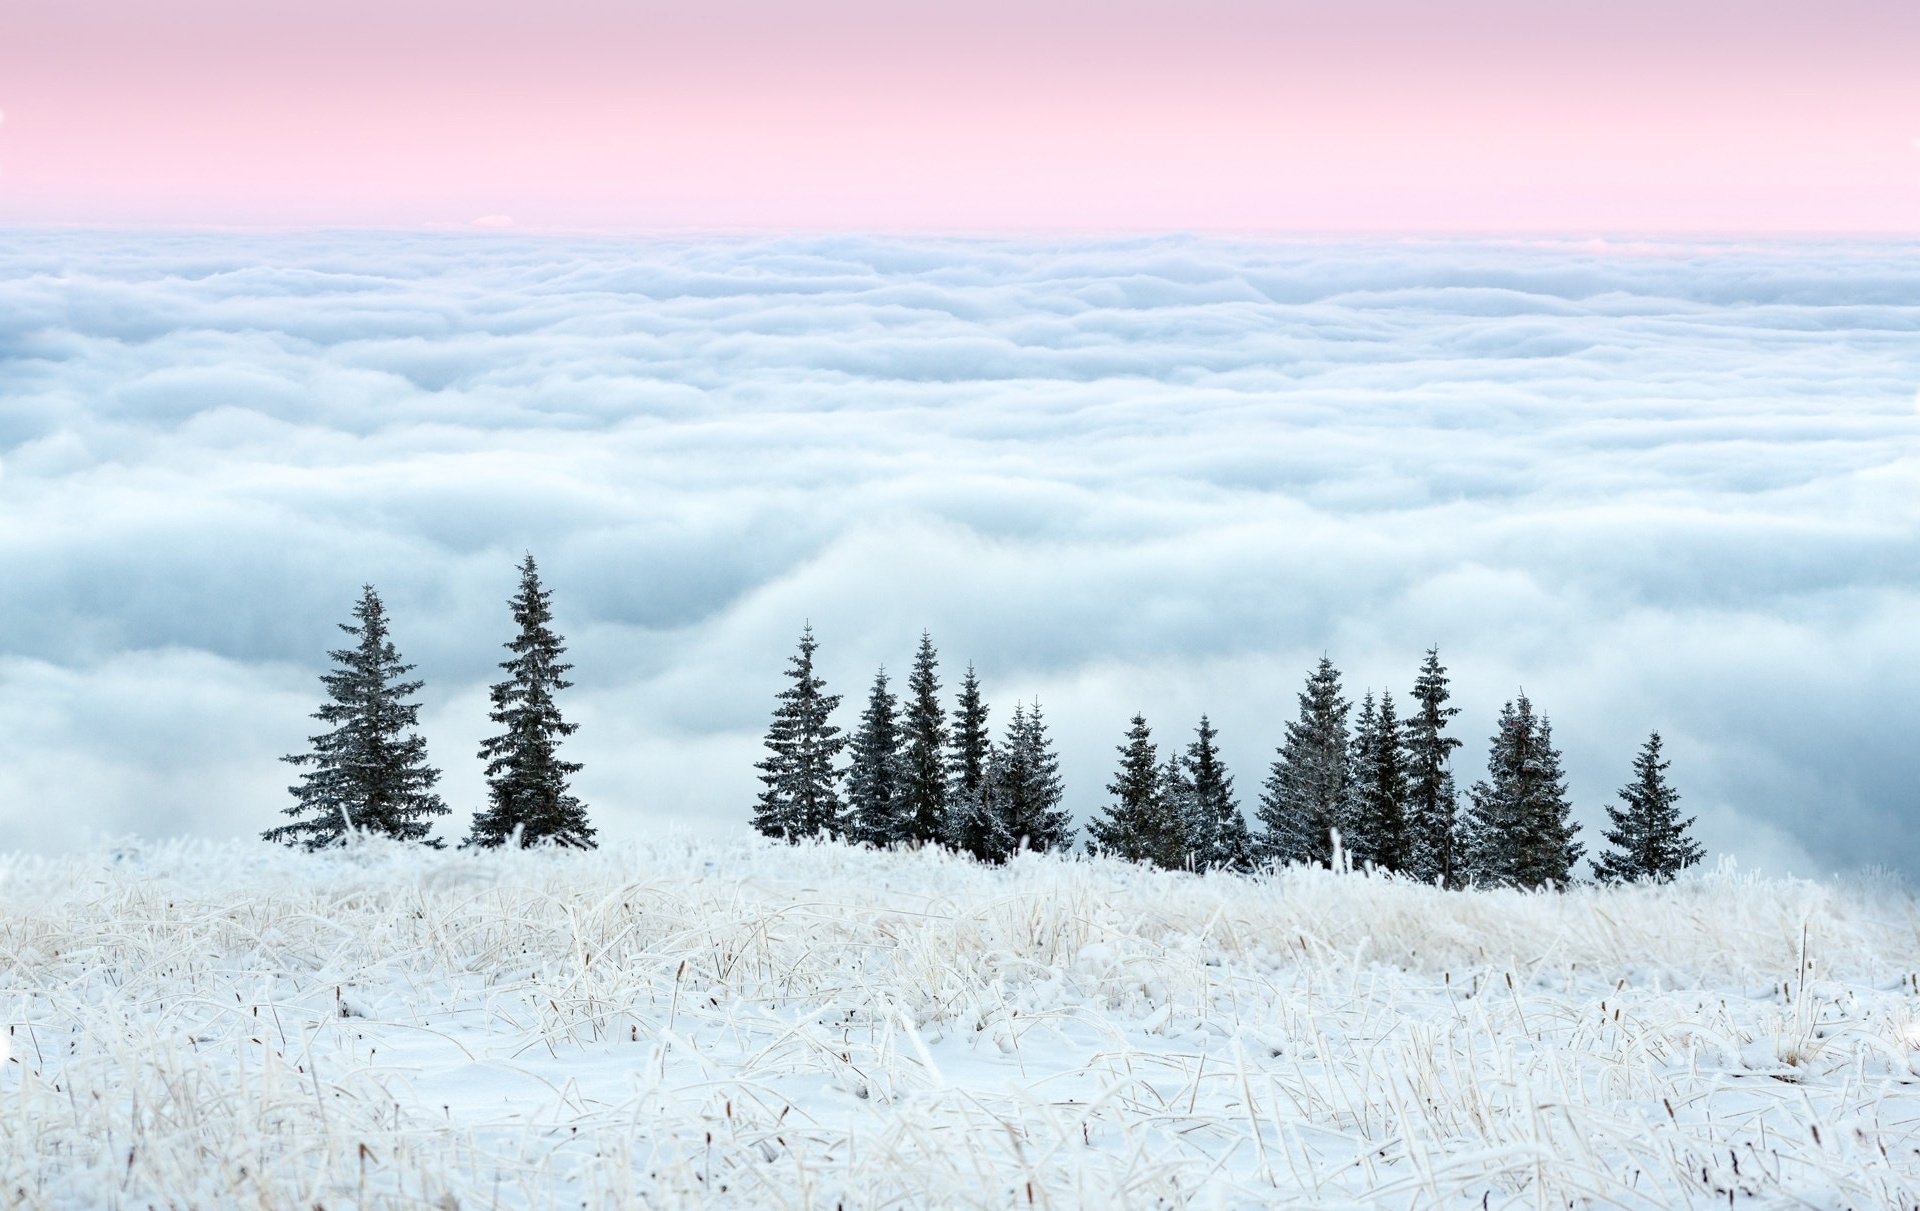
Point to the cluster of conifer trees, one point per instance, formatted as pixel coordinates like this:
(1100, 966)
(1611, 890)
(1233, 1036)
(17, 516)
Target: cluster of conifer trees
(370, 773)
(1367, 787)
(1370, 788)
(912, 778)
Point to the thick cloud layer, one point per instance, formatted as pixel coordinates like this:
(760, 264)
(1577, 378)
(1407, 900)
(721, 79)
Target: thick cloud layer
(1672, 487)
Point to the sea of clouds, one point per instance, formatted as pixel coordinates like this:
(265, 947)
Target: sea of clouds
(1670, 486)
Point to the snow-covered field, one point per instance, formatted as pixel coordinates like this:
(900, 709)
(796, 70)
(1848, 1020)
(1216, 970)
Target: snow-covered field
(714, 1024)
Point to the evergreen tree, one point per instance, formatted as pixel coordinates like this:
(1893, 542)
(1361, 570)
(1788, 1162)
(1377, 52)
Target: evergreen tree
(526, 779)
(978, 823)
(925, 806)
(875, 799)
(801, 787)
(969, 742)
(1217, 834)
(1432, 802)
(1025, 792)
(1304, 799)
(1519, 827)
(974, 825)
(369, 773)
(1377, 809)
(1648, 839)
(1177, 800)
(1143, 823)
(1361, 743)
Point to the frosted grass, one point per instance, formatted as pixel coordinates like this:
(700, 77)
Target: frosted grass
(713, 1024)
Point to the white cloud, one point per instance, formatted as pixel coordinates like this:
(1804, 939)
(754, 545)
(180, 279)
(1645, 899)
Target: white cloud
(1672, 486)
(494, 220)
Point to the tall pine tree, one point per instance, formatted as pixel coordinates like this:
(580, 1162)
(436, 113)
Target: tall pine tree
(369, 773)
(973, 825)
(1217, 836)
(1432, 802)
(876, 806)
(1520, 828)
(1648, 839)
(1026, 791)
(1377, 807)
(801, 785)
(1176, 796)
(968, 742)
(1144, 823)
(1361, 741)
(526, 779)
(1304, 799)
(925, 805)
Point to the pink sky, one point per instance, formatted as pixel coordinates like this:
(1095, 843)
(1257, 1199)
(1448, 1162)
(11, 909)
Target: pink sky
(1570, 115)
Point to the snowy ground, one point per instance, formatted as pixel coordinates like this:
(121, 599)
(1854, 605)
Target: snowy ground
(706, 1024)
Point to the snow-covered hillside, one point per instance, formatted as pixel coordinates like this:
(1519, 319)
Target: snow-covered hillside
(708, 1024)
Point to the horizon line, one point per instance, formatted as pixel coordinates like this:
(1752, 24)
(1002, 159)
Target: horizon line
(483, 227)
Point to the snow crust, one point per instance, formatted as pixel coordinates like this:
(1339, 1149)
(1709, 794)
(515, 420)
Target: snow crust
(731, 1024)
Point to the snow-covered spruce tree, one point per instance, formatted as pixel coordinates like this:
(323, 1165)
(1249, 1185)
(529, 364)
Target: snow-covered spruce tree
(1519, 828)
(925, 804)
(801, 786)
(1217, 834)
(1354, 833)
(1116, 830)
(1304, 799)
(973, 826)
(1378, 791)
(1432, 802)
(1176, 796)
(977, 823)
(370, 772)
(526, 779)
(1142, 824)
(875, 805)
(1648, 839)
(1026, 792)
(968, 743)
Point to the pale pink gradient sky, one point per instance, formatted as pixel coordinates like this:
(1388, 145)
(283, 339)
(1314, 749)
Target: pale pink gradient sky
(1627, 115)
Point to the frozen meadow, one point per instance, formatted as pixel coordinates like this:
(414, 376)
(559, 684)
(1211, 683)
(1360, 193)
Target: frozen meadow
(729, 1024)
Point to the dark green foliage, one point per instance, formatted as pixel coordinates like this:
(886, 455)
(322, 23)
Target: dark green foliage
(1024, 789)
(1432, 802)
(369, 773)
(1217, 837)
(973, 826)
(1304, 800)
(969, 743)
(924, 806)
(1144, 823)
(875, 802)
(1519, 827)
(978, 823)
(1648, 839)
(800, 796)
(1175, 827)
(527, 789)
(1378, 790)
(1354, 834)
